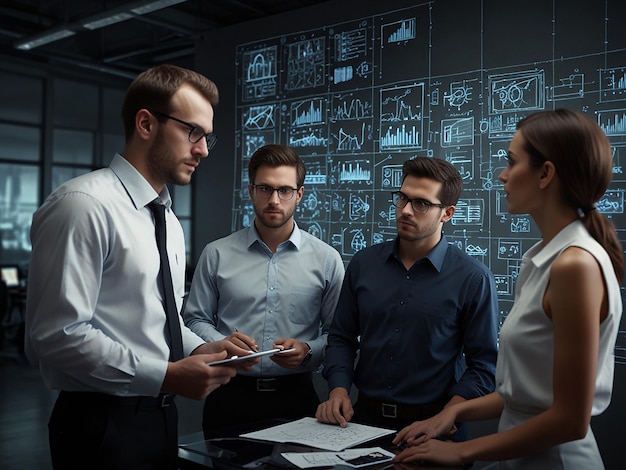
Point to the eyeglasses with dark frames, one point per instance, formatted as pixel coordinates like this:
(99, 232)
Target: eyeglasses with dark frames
(419, 205)
(195, 133)
(264, 191)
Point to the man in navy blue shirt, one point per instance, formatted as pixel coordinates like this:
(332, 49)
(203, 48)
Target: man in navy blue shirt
(420, 313)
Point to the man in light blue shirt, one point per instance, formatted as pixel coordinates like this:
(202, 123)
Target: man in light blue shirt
(266, 286)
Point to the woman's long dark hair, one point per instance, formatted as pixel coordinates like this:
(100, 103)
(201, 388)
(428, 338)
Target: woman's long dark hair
(582, 156)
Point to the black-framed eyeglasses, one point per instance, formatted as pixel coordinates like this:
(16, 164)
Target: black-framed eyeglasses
(419, 205)
(264, 191)
(195, 133)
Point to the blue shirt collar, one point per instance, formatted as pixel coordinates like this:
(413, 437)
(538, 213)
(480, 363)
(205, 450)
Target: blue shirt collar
(436, 256)
(294, 239)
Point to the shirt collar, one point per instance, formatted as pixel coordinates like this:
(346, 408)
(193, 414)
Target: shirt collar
(136, 186)
(436, 256)
(539, 254)
(294, 239)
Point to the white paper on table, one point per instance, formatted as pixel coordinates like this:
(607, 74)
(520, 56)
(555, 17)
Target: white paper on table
(371, 456)
(310, 432)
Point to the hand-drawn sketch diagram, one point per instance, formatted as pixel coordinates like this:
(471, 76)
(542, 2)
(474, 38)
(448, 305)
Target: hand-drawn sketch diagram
(356, 99)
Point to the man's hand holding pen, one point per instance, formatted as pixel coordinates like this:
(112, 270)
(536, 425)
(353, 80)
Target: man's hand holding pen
(243, 341)
(236, 344)
(240, 344)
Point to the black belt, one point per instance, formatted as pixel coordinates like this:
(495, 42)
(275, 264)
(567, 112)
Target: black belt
(163, 400)
(271, 384)
(398, 411)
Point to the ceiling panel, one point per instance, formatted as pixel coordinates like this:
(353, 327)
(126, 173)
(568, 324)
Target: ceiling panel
(147, 32)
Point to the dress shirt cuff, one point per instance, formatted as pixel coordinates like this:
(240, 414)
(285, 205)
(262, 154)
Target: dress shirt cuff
(339, 381)
(149, 377)
(190, 341)
(464, 390)
(205, 331)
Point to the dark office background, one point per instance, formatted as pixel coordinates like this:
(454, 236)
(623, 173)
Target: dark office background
(59, 120)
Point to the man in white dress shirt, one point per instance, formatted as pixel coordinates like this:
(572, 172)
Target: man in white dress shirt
(95, 319)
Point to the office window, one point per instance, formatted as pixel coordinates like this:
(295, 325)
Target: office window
(111, 144)
(75, 105)
(60, 174)
(74, 147)
(186, 224)
(18, 200)
(20, 143)
(112, 100)
(21, 98)
(181, 203)
(85, 130)
(181, 196)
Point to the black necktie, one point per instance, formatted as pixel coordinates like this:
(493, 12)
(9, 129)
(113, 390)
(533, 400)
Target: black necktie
(176, 341)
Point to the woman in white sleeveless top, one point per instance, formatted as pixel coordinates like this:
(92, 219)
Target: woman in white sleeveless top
(555, 364)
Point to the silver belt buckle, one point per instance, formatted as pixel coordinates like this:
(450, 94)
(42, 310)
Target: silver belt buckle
(389, 410)
(164, 398)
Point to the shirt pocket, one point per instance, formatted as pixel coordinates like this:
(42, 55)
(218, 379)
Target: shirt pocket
(443, 308)
(304, 305)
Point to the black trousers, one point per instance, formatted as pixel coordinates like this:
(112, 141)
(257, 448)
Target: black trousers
(98, 431)
(245, 401)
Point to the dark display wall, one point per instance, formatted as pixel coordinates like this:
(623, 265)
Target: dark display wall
(359, 87)
(357, 98)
